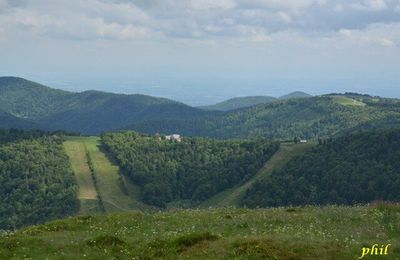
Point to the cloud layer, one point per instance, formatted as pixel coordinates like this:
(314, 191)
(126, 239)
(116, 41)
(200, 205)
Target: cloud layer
(357, 21)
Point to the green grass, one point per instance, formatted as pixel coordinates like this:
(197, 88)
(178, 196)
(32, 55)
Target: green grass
(346, 101)
(232, 197)
(115, 196)
(280, 233)
(76, 151)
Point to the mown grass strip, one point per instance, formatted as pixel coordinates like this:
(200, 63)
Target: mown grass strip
(93, 174)
(87, 195)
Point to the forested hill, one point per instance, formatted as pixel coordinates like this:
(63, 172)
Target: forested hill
(9, 121)
(249, 101)
(28, 104)
(357, 168)
(240, 102)
(13, 135)
(36, 181)
(25, 104)
(191, 169)
(296, 94)
(314, 117)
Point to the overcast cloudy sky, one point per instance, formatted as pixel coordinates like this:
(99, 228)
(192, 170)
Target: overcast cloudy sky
(201, 51)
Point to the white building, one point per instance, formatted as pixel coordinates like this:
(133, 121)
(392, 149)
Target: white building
(174, 137)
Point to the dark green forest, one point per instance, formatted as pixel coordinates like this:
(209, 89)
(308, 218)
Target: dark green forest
(13, 135)
(9, 121)
(240, 102)
(357, 168)
(249, 101)
(26, 104)
(315, 117)
(193, 169)
(36, 182)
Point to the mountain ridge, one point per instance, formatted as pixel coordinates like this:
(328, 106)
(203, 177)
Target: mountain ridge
(295, 94)
(249, 101)
(315, 117)
(89, 112)
(28, 105)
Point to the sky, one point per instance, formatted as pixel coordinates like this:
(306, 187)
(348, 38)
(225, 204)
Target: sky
(204, 51)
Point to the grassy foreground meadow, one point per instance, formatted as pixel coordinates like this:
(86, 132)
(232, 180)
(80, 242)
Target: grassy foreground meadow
(278, 233)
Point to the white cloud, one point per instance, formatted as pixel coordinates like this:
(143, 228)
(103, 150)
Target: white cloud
(252, 33)
(369, 5)
(345, 32)
(196, 19)
(100, 20)
(338, 8)
(377, 4)
(285, 17)
(375, 34)
(116, 31)
(212, 4)
(387, 42)
(281, 5)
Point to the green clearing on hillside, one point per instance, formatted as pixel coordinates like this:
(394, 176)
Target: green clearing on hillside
(233, 196)
(76, 152)
(346, 101)
(117, 194)
(277, 233)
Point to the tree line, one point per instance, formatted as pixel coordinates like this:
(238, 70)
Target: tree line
(36, 181)
(310, 118)
(194, 169)
(358, 168)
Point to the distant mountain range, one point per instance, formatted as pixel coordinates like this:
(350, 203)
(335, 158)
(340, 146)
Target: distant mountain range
(26, 104)
(315, 117)
(243, 102)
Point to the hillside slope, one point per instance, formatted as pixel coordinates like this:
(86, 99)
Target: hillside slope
(25, 104)
(30, 100)
(107, 190)
(233, 197)
(36, 182)
(190, 170)
(87, 195)
(9, 121)
(296, 94)
(313, 117)
(89, 112)
(249, 101)
(280, 233)
(239, 102)
(358, 168)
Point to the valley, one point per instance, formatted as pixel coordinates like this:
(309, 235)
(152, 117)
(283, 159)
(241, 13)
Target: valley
(199, 129)
(129, 176)
(119, 194)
